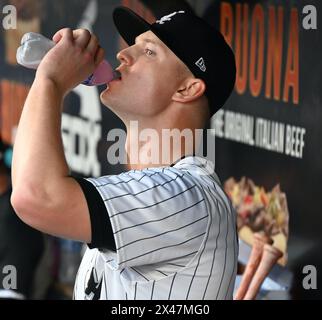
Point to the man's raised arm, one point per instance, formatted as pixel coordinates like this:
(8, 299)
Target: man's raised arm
(44, 196)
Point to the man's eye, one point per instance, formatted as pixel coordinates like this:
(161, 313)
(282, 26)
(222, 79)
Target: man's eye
(149, 52)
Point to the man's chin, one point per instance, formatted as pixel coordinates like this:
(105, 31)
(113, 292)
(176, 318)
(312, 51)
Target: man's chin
(107, 102)
(105, 97)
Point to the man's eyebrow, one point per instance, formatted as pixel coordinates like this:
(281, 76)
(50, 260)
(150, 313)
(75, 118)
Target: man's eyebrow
(147, 40)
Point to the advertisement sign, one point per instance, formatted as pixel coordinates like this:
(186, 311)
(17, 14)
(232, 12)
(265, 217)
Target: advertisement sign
(269, 132)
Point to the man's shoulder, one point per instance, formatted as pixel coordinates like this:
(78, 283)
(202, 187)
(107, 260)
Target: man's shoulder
(200, 168)
(187, 171)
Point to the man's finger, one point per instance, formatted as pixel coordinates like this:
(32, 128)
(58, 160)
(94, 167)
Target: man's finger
(92, 45)
(100, 54)
(66, 32)
(82, 37)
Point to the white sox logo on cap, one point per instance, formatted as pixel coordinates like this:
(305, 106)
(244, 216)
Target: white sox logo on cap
(168, 17)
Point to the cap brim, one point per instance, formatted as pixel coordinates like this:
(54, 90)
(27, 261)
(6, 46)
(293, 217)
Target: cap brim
(129, 24)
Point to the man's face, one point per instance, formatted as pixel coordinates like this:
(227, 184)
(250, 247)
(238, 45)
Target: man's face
(151, 74)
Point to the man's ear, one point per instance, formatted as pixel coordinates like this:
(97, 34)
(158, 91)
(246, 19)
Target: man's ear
(190, 90)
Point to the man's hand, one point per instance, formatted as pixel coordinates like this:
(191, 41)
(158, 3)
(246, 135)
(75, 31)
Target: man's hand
(75, 57)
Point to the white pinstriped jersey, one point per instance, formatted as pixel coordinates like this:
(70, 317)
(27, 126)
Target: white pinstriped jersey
(175, 235)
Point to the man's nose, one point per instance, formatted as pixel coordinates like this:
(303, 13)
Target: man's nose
(126, 56)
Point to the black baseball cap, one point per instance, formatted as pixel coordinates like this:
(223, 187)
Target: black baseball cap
(198, 45)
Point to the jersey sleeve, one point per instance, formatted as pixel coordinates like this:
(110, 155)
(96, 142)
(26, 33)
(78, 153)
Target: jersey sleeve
(155, 215)
(102, 234)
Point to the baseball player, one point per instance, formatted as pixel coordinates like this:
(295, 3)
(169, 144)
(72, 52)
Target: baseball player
(165, 231)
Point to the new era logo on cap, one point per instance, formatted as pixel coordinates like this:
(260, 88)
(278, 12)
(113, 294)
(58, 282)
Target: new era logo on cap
(201, 64)
(168, 17)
